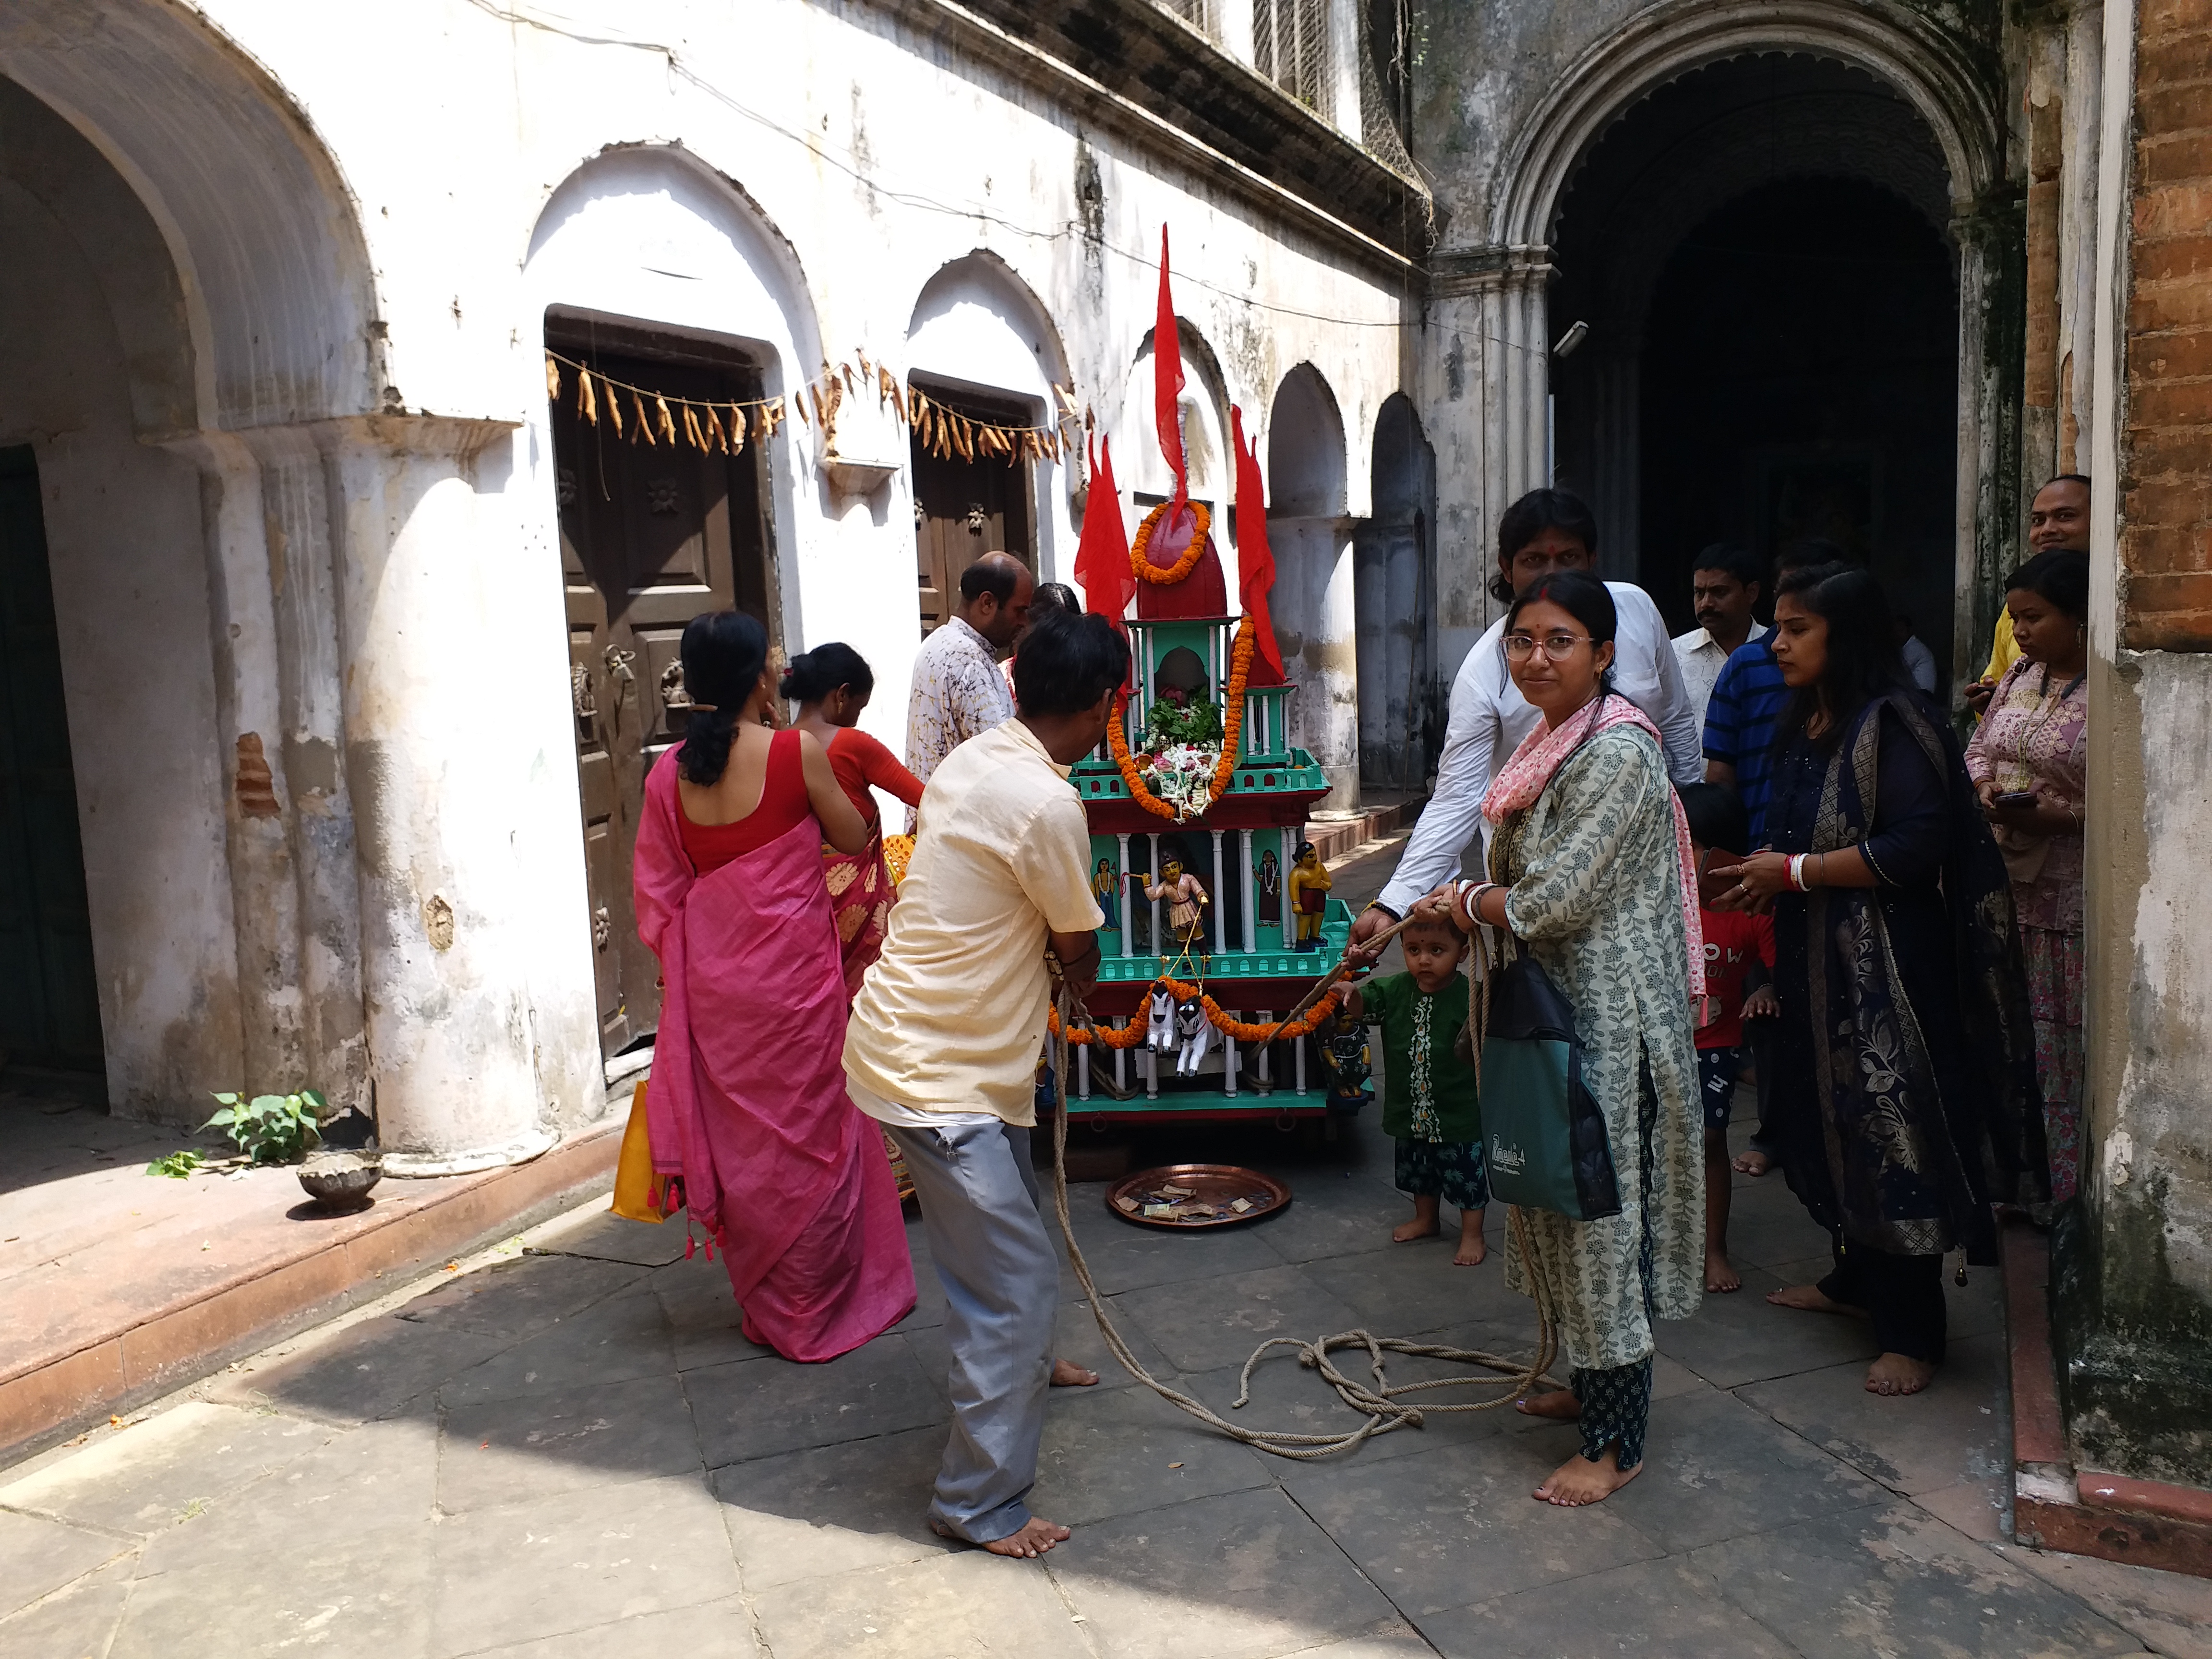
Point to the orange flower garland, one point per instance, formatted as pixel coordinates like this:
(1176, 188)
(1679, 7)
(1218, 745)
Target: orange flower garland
(1243, 1031)
(1232, 733)
(1144, 570)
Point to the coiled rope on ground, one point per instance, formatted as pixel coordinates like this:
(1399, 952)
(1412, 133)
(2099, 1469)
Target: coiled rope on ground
(1383, 1405)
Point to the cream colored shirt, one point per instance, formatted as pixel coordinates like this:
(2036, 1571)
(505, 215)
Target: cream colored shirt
(952, 1015)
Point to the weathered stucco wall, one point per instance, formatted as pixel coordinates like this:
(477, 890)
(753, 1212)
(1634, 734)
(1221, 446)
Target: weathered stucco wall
(2134, 1299)
(130, 591)
(342, 543)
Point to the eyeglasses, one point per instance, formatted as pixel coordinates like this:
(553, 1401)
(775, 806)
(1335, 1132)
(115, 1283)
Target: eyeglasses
(1557, 647)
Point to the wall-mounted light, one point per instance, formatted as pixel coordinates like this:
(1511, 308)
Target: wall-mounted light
(1568, 341)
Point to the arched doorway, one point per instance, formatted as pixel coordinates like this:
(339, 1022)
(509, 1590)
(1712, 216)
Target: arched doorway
(1314, 611)
(188, 315)
(1400, 727)
(1770, 354)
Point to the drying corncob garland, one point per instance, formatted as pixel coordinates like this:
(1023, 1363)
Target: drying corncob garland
(645, 416)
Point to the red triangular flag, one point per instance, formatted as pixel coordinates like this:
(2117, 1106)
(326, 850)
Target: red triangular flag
(1255, 561)
(1102, 555)
(1167, 384)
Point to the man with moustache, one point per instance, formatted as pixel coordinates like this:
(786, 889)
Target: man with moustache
(1724, 587)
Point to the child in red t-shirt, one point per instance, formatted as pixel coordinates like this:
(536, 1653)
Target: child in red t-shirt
(1739, 985)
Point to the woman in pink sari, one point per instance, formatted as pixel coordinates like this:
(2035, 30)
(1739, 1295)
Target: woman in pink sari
(747, 1100)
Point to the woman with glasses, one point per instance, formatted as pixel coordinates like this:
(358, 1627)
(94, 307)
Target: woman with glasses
(1905, 1062)
(1590, 870)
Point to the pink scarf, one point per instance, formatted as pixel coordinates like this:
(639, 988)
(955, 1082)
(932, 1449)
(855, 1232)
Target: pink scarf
(1543, 751)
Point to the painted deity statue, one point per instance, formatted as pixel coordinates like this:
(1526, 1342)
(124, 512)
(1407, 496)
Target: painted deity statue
(1308, 886)
(1187, 900)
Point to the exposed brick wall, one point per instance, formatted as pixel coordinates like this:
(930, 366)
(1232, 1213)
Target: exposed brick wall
(2166, 472)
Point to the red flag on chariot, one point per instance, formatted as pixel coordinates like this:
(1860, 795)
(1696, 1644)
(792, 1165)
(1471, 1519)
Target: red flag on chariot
(1255, 560)
(1167, 383)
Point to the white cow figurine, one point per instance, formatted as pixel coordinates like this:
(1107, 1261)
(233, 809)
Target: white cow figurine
(1195, 1034)
(1159, 1024)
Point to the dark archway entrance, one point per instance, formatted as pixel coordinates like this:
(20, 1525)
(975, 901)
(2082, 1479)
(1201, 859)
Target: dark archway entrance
(1773, 343)
(1798, 381)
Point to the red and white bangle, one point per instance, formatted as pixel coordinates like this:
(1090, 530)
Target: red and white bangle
(1795, 871)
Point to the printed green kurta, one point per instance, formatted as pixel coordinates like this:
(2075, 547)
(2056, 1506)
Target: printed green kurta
(1597, 900)
(1415, 1024)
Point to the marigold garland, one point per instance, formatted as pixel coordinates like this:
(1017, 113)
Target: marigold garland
(1243, 1031)
(1232, 735)
(1142, 567)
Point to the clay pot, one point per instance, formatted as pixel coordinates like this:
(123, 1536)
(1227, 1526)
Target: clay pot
(341, 1181)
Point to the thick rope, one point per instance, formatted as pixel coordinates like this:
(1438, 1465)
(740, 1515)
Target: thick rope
(1378, 1401)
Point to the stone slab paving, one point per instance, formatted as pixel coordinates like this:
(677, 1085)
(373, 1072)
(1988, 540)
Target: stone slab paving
(575, 1453)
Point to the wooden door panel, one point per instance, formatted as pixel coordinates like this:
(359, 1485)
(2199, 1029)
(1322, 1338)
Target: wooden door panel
(652, 535)
(964, 509)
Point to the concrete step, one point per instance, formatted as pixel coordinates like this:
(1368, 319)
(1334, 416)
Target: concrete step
(1378, 819)
(148, 1284)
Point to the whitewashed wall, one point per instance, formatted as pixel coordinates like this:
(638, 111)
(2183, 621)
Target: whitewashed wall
(360, 316)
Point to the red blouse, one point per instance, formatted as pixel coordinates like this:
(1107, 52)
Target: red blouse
(860, 761)
(783, 803)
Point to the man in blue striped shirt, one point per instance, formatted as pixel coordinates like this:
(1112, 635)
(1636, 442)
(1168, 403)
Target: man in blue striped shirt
(1748, 701)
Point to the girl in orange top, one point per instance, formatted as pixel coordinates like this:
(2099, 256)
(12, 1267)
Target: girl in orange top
(832, 684)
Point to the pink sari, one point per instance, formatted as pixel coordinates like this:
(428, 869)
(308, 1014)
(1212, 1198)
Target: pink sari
(747, 1099)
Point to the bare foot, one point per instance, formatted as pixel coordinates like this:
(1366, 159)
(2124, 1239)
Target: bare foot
(1560, 1405)
(1719, 1276)
(1417, 1228)
(1033, 1540)
(1752, 1162)
(1067, 1374)
(1893, 1373)
(1578, 1481)
(1809, 1298)
(1472, 1252)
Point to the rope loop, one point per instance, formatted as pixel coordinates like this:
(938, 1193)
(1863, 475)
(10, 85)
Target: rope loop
(1377, 1400)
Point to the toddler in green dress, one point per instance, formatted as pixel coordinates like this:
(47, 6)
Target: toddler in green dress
(1429, 1104)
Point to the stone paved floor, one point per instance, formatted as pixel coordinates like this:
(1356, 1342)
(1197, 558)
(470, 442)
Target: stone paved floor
(572, 1452)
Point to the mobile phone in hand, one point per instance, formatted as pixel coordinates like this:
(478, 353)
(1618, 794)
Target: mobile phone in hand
(2016, 798)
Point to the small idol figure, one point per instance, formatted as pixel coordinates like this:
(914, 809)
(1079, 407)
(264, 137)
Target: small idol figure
(1309, 886)
(1187, 900)
(1106, 888)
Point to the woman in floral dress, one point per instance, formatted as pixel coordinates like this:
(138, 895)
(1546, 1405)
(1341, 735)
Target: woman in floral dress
(2034, 740)
(1590, 869)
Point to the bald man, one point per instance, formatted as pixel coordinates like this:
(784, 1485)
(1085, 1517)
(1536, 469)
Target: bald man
(959, 691)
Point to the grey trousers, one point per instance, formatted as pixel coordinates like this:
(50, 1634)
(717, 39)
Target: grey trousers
(980, 1211)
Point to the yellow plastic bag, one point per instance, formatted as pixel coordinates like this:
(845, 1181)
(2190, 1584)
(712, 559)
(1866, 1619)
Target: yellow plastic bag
(639, 1193)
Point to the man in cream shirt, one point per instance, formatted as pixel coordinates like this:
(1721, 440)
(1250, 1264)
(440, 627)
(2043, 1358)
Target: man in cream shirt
(942, 1050)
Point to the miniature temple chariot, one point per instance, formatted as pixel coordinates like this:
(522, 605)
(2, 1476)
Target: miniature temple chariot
(1197, 807)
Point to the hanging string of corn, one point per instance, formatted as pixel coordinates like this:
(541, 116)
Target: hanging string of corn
(643, 415)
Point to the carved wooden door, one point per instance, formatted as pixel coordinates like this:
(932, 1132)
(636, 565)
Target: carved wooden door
(651, 536)
(964, 509)
(49, 998)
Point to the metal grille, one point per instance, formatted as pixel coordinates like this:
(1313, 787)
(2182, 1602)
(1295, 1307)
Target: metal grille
(1204, 16)
(1290, 47)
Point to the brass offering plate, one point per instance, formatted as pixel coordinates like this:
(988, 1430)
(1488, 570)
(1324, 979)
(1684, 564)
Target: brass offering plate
(1184, 1197)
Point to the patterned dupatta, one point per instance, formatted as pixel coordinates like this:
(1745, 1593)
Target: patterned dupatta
(1915, 1173)
(1544, 750)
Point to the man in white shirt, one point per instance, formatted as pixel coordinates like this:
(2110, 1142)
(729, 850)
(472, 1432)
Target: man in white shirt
(957, 690)
(1545, 530)
(942, 1050)
(1724, 585)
